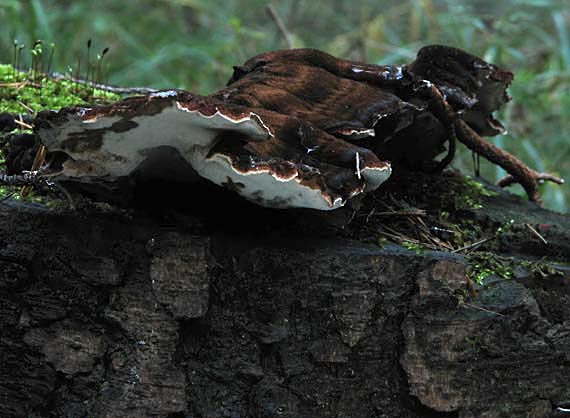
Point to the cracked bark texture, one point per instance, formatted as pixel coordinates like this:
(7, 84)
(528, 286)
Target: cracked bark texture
(109, 314)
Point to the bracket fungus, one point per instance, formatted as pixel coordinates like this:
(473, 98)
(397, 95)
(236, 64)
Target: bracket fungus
(296, 128)
(269, 158)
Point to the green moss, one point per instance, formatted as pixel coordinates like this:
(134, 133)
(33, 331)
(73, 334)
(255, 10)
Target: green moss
(462, 193)
(26, 92)
(484, 264)
(478, 188)
(466, 231)
(21, 92)
(474, 344)
(506, 409)
(465, 193)
(417, 248)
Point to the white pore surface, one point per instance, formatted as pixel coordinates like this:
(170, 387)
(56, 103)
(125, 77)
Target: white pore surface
(374, 177)
(264, 188)
(190, 132)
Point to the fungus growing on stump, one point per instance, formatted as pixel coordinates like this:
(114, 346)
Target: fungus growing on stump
(296, 128)
(269, 158)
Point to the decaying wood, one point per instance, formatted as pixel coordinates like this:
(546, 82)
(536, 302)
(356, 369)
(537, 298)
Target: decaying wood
(118, 314)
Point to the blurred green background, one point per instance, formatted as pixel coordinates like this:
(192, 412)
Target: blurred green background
(193, 44)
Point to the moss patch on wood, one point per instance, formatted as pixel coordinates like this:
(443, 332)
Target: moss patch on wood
(26, 93)
(22, 92)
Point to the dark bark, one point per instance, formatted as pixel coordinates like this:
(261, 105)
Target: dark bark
(107, 313)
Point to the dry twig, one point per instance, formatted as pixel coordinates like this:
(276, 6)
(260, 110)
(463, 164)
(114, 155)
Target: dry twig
(105, 87)
(38, 162)
(23, 124)
(481, 309)
(280, 25)
(474, 244)
(536, 233)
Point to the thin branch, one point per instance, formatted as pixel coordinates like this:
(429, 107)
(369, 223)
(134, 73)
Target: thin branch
(15, 84)
(26, 179)
(39, 159)
(475, 244)
(35, 180)
(536, 233)
(481, 309)
(280, 25)
(28, 108)
(23, 124)
(401, 238)
(5, 198)
(518, 171)
(404, 212)
(105, 87)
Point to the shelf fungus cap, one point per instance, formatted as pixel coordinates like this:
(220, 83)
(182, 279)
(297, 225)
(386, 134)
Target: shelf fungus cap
(259, 154)
(474, 87)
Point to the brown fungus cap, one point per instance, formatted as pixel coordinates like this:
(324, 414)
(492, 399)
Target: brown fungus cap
(473, 86)
(294, 128)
